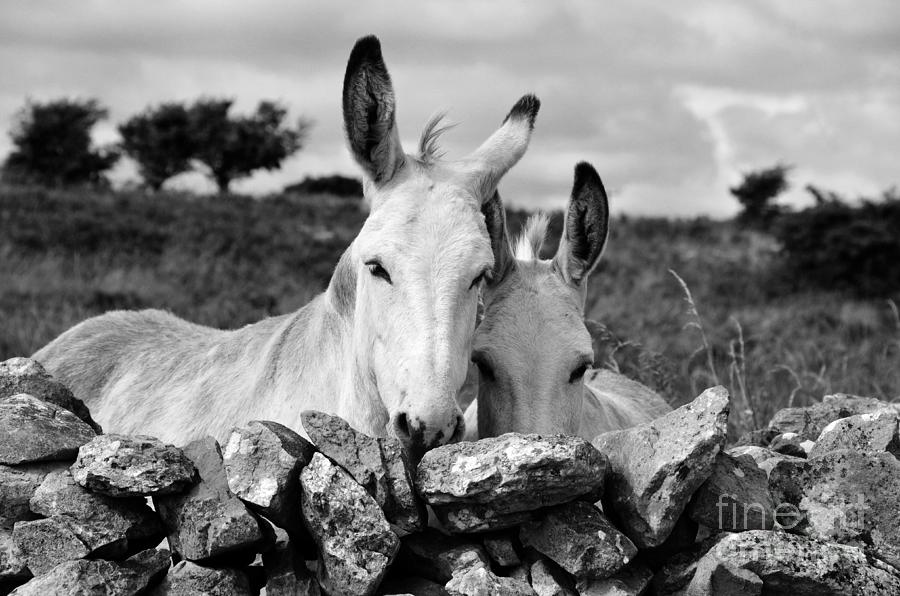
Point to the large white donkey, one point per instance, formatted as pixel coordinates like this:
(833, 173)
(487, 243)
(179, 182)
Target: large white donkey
(385, 346)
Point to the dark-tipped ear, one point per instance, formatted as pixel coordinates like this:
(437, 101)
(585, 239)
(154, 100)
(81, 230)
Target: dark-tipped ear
(503, 149)
(586, 227)
(369, 112)
(495, 220)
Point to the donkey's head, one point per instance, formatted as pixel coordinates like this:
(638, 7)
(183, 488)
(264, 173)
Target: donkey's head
(412, 277)
(532, 347)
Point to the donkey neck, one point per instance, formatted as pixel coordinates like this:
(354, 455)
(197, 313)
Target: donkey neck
(313, 361)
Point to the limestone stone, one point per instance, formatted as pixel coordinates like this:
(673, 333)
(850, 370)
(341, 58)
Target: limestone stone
(13, 566)
(17, 486)
(735, 497)
(633, 580)
(809, 421)
(481, 581)
(132, 466)
(655, 467)
(32, 430)
(24, 375)
(262, 464)
(377, 464)
(45, 543)
(286, 573)
(845, 496)
(790, 564)
(503, 477)
(875, 431)
(207, 521)
(189, 579)
(109, 527)
(356, 543)
(95, 577)
(438, 557)
(578, 538)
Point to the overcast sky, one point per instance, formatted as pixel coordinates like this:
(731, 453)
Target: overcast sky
(669, 100)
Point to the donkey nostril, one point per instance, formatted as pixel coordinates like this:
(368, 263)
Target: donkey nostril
(401, 426)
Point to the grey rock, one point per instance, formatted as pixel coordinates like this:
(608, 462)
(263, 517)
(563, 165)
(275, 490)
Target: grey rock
(578, 538)
(547, 581)
(501, 549)
(510, 474)
(354, 451)
(287, 574)
(24, 375)
(417, 586)
(764, 457)
(656, 467)
(33, 430)
(522, 573)
(475, 518)
(481, 581)
(790, 444)
(109, 527)
(808, 422)
(262, 464)
(208, 521)
(17, 486)
(99, 577)
(633, 580)
(875, 431)
(403, 509)
(439, 557)
(13, 565)
(845, 496)
(132, 466)
(378, 465)
(790, 564)
(735, 497)
(45, 543)
(356, 543)
(190, 579)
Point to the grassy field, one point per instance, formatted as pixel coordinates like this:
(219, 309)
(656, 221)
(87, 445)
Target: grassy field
(65, 256)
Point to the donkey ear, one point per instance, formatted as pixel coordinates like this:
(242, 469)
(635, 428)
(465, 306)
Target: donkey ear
(586, 227)
(503, 149)
(369, 110)
(495, 220)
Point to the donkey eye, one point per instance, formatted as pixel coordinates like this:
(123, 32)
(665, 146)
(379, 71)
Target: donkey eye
(484, 367)
(484, 275)
(378, 270)
(578, 373)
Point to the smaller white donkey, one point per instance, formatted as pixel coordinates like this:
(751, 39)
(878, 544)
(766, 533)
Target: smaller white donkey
(532, 349)
(385, 347)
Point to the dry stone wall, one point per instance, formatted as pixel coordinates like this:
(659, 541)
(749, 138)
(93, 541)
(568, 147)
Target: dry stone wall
(809, 505)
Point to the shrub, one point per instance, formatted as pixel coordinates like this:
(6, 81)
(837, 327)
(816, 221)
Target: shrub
(159, 140)
(836, 245)
(756, 194)
(337, 185)
(52, 144)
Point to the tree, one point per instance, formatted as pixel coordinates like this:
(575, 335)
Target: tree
(52, 144)
(756, 194)
(235, 147)
(159, 140)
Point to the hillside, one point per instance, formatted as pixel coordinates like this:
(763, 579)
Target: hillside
(226, 262)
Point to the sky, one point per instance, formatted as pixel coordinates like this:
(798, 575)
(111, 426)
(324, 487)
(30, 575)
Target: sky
(671, 101)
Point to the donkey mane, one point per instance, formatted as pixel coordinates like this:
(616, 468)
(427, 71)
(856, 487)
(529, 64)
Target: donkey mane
(429, 150)
(531, 240)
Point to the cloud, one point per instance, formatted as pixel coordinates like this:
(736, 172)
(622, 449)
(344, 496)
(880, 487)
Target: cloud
(671, 102)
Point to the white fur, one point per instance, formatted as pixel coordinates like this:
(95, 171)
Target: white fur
(366, 350)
